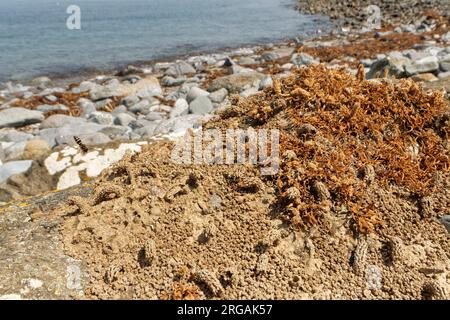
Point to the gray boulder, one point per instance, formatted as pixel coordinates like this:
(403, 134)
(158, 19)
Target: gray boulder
(163, 108)
(15, 151)
(438, 85)
(179, 68)
(245, 61)
(196, 92)
(51, 98)
(444, 63)
(277, 54)
(201, 105)
(130, 100)
(98, 92)
(61, 120)
(144, 88)
(153, 116)
(15, 167)
(170, 81)
(303, 59)
(266, 82)
(181, 107)
(148, 130)
(428, 64)
(444, 75)
(249, 92)
(102, 104)
(47, 107)
(86, 106)
(186, 87)
(124, 119)
(218, 96)
(100, 117)
(142, 107)
(238, 69)
(49, 91)
(140, 123)
(395, 67)
(445, 66)
(19, 117)
(446, 37)
(235, 83)
(119, 109)
(15, 136)
(86, 86)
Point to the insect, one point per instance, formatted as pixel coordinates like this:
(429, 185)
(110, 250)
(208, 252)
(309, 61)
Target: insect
(82, 146)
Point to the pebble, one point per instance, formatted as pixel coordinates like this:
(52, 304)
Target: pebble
(424, 65)
(179, 68)
(100, 117)
(235, 83)
(303, 59)
(277, 54)
(153, 116)
(444, 75)
(19, 117)
(142, 107)
(15, 136)
(181, 107)
(86, 106)
(14, 167)
(15, 151)
(124, 119)
(169, 81)
(201, 105)
(218, 96)
(266, 82)
(61, 120)
(47, 108)
(130, 100)
(196, 92)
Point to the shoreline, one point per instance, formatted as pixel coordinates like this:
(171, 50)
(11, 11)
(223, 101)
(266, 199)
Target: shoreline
(66, 77)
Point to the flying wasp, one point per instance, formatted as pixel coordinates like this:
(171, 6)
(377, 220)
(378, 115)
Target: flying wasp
(80, 143)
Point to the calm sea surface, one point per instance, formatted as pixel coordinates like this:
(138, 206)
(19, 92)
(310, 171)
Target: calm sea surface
(34, 39)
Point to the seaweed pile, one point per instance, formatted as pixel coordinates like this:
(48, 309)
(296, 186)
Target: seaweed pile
(67, 98)
(342, 133)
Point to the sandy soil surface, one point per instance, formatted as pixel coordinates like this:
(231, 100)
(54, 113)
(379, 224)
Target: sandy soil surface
(353, 212)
